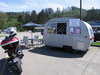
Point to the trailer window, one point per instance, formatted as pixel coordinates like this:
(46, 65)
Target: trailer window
(61, 28)
(52, 28)
(75, 30)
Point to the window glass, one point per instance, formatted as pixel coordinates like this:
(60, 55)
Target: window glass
(75, 30)
(52, 28)
(61, 28)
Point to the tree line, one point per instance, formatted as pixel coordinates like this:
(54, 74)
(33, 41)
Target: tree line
(17, 19)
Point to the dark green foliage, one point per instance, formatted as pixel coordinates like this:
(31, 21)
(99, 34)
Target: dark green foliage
(93, 15)
(42, 17)
(17, 19)
(3, 19)
(33, 16)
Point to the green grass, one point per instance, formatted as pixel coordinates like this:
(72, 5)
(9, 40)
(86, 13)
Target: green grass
(1, 35)
(96, 43)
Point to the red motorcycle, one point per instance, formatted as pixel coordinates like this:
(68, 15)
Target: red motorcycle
(11, 46)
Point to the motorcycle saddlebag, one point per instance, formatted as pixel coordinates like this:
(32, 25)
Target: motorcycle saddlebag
(9, 43)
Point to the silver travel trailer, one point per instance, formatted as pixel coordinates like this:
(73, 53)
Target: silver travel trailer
(68, 32)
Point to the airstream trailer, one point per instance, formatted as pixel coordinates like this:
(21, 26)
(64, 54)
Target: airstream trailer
(68, 32)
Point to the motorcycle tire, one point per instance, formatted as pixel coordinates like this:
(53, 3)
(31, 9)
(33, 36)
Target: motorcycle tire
(19, 67)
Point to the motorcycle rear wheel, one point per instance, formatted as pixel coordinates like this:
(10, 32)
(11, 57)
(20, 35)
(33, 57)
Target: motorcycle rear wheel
(19, 67)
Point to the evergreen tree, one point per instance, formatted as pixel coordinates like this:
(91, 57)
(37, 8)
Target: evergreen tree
(33, 16)
(3, 19)
(42, 17)
(20, 18)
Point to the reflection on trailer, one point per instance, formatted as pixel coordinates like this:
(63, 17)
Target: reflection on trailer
(68, 32)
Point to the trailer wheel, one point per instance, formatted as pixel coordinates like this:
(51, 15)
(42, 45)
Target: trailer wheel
(68, 49)
(47, 46)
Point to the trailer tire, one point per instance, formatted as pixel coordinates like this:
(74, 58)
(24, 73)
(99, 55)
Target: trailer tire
(68, 49)
(47, 46)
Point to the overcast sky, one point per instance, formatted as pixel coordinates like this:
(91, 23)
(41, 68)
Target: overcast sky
(38, 5)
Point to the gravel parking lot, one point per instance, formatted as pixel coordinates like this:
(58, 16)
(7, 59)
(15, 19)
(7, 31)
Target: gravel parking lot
(43, 60)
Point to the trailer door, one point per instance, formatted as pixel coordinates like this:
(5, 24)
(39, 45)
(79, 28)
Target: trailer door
(61, 32)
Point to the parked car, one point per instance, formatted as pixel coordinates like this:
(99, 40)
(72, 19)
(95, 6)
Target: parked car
(97, 36)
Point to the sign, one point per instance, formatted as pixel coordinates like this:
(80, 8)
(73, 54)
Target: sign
(74, 22)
